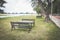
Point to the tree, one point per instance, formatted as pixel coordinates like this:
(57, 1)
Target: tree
(56, 6)
(37, 9)
(1, 5)
(45, 7)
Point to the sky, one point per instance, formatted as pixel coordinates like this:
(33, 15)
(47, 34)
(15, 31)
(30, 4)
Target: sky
(18, 6)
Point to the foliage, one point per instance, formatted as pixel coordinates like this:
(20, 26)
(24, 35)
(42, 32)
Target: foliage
(1, 5)
(37, 9)
(56, 6)
(45, 6)
(35, 6)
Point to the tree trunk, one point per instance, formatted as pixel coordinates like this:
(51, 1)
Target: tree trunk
(47, 17)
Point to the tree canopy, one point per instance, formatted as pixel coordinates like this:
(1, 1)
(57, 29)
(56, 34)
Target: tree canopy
(45, 6)
(56, 6)
(1, 5)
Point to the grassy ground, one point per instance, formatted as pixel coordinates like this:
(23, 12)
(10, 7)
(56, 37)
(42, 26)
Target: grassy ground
(41, 31)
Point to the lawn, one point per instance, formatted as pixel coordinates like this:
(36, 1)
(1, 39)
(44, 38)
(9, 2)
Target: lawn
(41, 31)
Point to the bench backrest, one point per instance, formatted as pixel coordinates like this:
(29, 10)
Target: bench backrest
(28, 20)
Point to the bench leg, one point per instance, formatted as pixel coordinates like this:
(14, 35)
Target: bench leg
(12, 28)
(30, 29)
(33, 24)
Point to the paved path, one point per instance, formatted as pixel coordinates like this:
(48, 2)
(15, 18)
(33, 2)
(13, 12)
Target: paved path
(55, 20)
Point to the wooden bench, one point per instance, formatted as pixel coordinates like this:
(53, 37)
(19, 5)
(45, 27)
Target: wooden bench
(22, 24)
(30, 20)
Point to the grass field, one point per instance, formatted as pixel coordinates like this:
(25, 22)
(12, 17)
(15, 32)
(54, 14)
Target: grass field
(41, 31)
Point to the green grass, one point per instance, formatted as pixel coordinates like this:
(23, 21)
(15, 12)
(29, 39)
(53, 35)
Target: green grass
(41, 31)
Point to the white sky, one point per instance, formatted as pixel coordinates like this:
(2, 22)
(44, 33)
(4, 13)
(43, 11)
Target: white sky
(17, 6)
